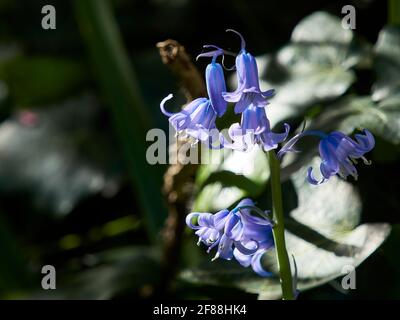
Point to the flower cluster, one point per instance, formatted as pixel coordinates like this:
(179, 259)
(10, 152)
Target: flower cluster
(338, 153)
(235, 233)
(198, 118)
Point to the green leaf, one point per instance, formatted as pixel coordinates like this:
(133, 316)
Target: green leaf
(387, 63)
(232, 176)
(313, 68)
(383, 120)
(321, 27)
(351, 112)
(322, 235)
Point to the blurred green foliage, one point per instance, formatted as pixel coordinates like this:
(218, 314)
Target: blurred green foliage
(27, 76)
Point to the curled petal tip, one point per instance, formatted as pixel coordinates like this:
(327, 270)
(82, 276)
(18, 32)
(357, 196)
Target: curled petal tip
(243, 42)
(215, 257)
(311, 179)
(366, 161)
(168, 97)
(212, 46)
(225, 67)
(211, 54)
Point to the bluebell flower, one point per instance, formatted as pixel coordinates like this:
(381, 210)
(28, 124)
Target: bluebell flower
(248, 91)
(254, 128)
(215, 80)
(236, 234)
(338, 153)
(197, 119)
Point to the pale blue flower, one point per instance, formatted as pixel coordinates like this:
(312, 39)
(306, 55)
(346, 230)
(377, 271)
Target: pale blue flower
(236, 234)
(338, 153)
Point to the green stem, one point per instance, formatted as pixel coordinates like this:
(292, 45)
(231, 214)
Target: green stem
(279, 228)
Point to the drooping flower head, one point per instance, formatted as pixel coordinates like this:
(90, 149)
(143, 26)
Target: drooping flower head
(197, 119)
(235, 233)
(254, 128)
(215, 80)
(338, 153)
(248, 90)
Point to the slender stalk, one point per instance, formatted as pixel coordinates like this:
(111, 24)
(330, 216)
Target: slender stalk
(279, 228)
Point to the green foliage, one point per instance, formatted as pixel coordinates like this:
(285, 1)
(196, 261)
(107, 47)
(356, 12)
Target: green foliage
(231, 176)
(27, 76)
(387, 63)
(314, 68)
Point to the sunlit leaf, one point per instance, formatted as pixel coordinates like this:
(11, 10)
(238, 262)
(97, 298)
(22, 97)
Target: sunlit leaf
(314, 67)
(387, 63)
(352, 113)
(234, 175)
(321, 27)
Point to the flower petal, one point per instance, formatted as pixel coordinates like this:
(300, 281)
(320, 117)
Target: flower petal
(242, 104)
(248, 249)
(225, 250)
(329, 158)
(205, 220)
(243, 259)
(311, 179)
(190, 217)
(219, 219)
(215, 86)
(256, 264)
(270, 140)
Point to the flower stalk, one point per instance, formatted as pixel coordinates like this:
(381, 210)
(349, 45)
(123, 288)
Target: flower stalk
(278, 229)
